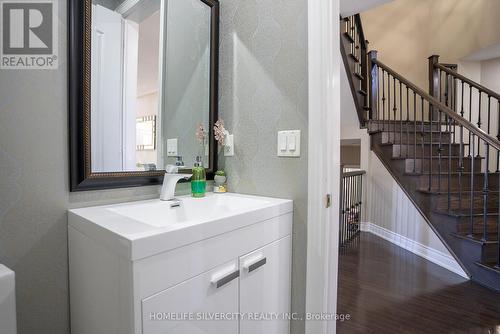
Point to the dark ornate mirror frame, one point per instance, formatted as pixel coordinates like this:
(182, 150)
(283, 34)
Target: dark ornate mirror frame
(81, 176)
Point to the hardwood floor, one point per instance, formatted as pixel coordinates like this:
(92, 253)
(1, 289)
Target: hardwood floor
(386, 289)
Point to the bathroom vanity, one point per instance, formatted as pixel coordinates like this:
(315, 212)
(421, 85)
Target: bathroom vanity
(219, 264)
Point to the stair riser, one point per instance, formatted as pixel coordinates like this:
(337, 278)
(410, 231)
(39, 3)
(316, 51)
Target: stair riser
(409, 139)
(445, 163)
(411, 151)
(454, 182)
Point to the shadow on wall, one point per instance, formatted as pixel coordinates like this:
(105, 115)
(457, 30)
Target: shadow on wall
(391, 209)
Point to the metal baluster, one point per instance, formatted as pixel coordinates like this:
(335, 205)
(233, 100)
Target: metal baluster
(485, 195)
(394, 110)
(449, 171)
(346, 210)
(401, 116)
(479, 121)
(471, 210)
(414, 132)
(351, 209)
(346, 217)
(383, 99)
(498, 234)
(357, 206)
(462, 101)
(353, 206)
(446, 93)
(498, 137)
(342, 198)
(360, 200)
(454, 108)
(342, 208)
(378, 98)
(488, 124)
(430, 150)
(440, 150)
(470, 114)
(461, 165)
(408, 119)
(389, 105)
(346, 207)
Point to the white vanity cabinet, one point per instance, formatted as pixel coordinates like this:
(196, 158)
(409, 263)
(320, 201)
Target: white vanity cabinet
(265, 288)
(237, 281)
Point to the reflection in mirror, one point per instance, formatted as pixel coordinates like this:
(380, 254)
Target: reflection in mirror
(150, 84)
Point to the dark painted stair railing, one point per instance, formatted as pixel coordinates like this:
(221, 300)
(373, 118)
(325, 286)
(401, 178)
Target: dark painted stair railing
(350, 205)
(443, 149)
(353, 48)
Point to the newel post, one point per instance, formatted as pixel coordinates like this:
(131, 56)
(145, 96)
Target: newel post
(373, 85)
(434, 82)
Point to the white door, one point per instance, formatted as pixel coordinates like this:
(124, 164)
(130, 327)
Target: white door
(178, 310)
(106, 90)
(265, 289)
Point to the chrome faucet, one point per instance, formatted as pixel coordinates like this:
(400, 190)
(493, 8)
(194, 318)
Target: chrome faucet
(170, 180)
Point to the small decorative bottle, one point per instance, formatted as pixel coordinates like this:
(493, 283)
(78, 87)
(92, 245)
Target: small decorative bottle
(199, 179)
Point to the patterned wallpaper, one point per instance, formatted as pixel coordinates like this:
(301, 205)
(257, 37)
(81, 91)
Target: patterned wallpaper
(263, 89)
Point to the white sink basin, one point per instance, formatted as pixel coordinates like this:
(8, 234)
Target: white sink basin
(160, 214)
(140, 229)
(7, 301)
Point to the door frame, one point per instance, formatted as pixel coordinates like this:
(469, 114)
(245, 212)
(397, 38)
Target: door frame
(324, 163)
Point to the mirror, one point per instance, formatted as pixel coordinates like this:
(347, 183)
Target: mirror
(148, 83)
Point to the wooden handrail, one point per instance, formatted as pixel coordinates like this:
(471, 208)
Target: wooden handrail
(442, 107)
(363, 41)
(479, 87)
(355, 173)
(354, 50)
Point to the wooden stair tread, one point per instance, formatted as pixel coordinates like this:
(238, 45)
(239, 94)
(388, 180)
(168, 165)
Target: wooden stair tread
(420, 143)
(359, 76)
(348, 36)
(435, 173)
(454, 192)
(429, 158)
(353, 57)
(464, 214)
(418, 132)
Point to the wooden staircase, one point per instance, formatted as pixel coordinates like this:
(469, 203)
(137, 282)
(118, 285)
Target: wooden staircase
(442, 148)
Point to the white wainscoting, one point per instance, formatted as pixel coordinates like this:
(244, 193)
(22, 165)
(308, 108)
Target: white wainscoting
(441, 259)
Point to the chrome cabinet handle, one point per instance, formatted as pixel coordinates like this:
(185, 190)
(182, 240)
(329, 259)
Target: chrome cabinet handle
(226, 279)
(257, 265)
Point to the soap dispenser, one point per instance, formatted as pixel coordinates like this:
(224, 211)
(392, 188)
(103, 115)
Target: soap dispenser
(199, 179)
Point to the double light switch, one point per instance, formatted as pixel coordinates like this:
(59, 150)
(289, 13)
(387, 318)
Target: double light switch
(172, 147)
(289, 143)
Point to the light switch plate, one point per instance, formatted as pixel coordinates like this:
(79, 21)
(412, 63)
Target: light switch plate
(229, 146)
(289, 143)
(172, 147)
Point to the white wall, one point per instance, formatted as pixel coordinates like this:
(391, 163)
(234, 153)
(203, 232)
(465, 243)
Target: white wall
(485, 73)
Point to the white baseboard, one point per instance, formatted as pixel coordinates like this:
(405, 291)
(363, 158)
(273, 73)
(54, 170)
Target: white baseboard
(441, 259)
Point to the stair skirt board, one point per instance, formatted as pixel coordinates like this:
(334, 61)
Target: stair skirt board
(441, 259)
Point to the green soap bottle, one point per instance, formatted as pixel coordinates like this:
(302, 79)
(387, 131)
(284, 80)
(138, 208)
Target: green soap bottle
(199, 179)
